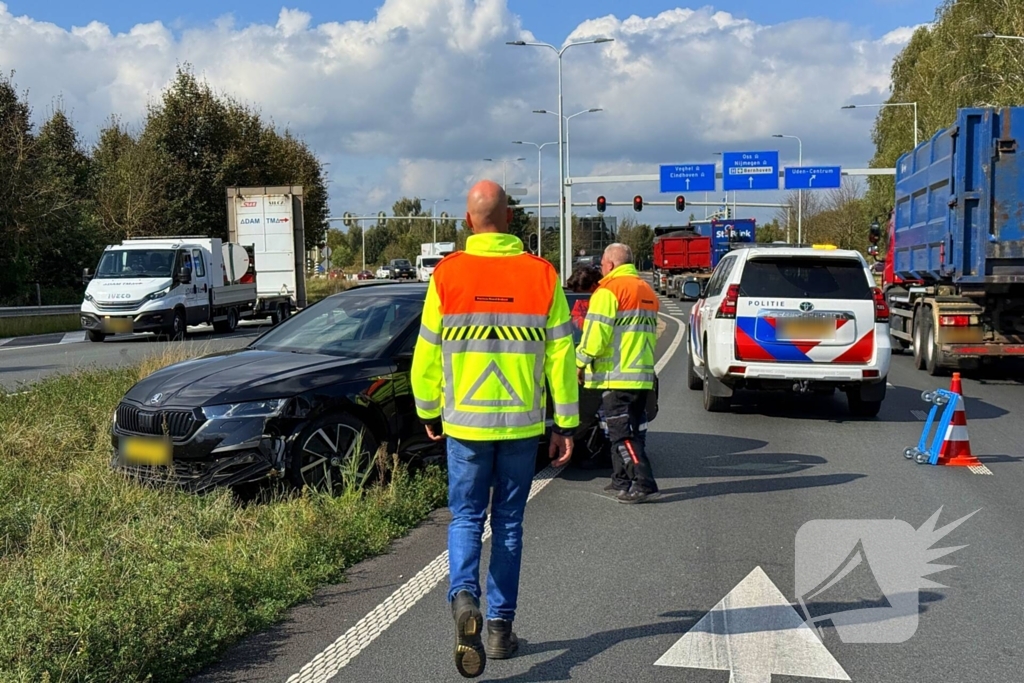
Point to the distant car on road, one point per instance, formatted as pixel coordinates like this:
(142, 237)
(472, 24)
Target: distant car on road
(806, 319)
(292, 403)
(364, 275)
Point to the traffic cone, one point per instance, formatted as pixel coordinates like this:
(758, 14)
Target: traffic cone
(956, 446)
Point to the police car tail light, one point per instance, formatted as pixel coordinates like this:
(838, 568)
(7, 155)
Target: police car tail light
(737, 370)
(881, 306)
(727, 309)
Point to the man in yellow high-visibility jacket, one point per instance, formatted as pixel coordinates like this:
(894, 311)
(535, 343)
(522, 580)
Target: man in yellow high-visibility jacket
(616, 356)
(495, 325)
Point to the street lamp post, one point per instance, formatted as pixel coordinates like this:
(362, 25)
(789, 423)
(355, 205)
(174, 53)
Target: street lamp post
(568, 157)
(503, 177)
(890, 104)
(540, 227)
(566, 259)
(799, 193)
(995, 36)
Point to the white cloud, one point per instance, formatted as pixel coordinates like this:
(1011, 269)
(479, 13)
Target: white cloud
(412, 100)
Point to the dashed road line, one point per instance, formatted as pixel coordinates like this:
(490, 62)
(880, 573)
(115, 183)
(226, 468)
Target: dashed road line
(324, 666)
(919, 414)
(73, 337)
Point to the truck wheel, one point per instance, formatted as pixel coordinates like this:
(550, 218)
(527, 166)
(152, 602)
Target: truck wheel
(693, 380)
(931, 350)
(96, 336)
(919, 321)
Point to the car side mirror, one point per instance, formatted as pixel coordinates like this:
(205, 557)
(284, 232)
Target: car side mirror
(184, 276)
(86, 276)
(692, 290)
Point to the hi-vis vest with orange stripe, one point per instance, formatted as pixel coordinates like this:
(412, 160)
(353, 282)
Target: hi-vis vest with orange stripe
(620, 333)
(495, 325)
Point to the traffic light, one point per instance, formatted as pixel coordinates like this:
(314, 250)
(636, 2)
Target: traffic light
(638, 203)
(602, 204)
(680, 203)
(875, 233)
(533, 242)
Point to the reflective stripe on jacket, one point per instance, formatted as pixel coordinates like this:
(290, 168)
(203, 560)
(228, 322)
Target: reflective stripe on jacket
(620, 333)
(495, 325)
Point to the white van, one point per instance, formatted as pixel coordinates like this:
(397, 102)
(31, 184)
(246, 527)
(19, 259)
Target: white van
(425, 267)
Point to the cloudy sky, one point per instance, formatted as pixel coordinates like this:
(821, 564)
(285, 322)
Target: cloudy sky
(407, 97)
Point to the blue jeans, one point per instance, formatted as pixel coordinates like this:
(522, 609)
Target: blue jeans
(473, 468)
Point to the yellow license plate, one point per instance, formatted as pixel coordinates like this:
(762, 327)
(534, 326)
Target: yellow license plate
(138, 451)
(122, 325)
(806, 329)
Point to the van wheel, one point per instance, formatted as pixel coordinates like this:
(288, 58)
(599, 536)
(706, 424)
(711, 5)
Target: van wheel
(229, 325)
(859, 407)
(280, 314)
(693, 380)
(178, 325)
(96, 336)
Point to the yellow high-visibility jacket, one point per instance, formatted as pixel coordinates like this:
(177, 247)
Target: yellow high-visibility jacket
(620, 333)
(495, 325)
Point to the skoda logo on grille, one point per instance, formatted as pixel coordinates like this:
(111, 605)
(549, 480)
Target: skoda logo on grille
(806, 307)
(154, 399)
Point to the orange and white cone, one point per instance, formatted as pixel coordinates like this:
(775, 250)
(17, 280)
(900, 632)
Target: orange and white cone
(956, 446)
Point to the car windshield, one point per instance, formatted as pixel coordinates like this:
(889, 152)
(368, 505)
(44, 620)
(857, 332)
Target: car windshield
(430, 261)
(401, 263)
(811, 278)
(135, 263)
(350, 325)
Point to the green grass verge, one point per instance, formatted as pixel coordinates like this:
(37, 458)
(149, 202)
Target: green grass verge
(41, 324)
(103, 580)
(319, 288)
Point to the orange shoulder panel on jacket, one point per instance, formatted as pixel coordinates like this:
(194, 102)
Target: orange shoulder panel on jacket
(520, 284)
(633, 293)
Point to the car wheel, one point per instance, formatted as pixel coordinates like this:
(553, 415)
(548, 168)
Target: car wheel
(712, 403)
(96, 336)
(931, 349)
(334, 452)
(859, 407)
(919, 319)
(693, 380)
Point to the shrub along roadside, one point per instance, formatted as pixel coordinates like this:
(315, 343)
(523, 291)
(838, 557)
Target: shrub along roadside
(103, 580)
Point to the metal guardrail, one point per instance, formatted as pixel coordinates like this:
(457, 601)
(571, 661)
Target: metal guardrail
(35, 311)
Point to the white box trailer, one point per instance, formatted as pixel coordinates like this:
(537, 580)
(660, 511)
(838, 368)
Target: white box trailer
(268, 220)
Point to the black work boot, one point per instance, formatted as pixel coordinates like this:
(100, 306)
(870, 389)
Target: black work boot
(470, 657)
(502, 643)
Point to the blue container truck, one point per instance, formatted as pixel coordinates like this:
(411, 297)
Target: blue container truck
(958, 243)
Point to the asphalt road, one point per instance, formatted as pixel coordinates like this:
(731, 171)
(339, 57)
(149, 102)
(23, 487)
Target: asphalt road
(23, 363)
(607, 590)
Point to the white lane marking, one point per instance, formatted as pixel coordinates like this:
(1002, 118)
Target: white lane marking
(7, 340)
(752, 633)
(979, 469)
(73, 337)
(919, 414)
(338, 654)
(889, 384)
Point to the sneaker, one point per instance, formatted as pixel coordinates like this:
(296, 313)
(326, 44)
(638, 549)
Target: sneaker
(633, 497)
(470, 657)
(502, 643)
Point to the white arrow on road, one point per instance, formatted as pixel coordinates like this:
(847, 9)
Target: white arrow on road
(754, 632)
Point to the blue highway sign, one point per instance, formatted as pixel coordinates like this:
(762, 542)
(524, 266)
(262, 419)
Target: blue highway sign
(687, 178)
(750, 171)
(813, 177)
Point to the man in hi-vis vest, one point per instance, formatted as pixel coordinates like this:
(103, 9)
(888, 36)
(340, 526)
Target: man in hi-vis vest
(617, 354)
(495, 326)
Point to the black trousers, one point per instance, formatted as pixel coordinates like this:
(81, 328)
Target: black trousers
(624, 419)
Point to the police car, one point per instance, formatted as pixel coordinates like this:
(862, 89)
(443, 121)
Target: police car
(793, 318)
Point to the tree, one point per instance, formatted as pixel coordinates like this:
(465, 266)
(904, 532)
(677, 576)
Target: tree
(127, 185)
(17, 191)
(639, 237)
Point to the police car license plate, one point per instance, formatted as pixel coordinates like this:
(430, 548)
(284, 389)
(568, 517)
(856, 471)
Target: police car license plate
(140, 451)
(805, 328)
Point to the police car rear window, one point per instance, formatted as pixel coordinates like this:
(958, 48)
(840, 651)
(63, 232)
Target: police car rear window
(804, 278)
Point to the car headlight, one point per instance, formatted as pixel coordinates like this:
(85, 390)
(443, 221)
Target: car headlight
(88, 297)
(159, 295)
(269, 408)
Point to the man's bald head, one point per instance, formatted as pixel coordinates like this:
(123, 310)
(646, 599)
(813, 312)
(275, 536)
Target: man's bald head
(615, 255)
(487, 208)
